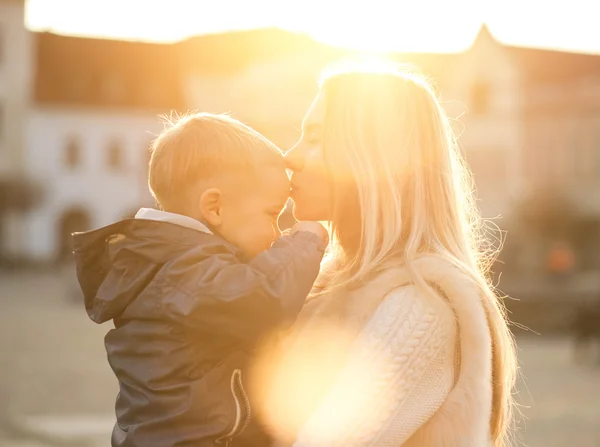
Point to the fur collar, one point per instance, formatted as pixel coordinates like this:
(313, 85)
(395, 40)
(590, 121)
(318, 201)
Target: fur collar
(464, 418)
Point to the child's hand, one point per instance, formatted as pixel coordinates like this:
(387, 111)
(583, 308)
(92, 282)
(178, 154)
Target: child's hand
(312, 227)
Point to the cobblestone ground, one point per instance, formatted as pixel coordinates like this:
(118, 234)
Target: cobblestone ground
(56, 388)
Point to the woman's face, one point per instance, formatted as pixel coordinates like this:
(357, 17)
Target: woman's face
(311, 191)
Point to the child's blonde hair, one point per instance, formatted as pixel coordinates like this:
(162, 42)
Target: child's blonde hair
(203, 146)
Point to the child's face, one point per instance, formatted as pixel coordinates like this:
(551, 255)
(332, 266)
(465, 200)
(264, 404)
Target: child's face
(249, 218)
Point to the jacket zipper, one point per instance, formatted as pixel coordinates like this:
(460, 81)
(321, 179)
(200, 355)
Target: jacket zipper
(242, 409)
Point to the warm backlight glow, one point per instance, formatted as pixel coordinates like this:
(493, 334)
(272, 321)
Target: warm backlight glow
(373, 25)
(376, 26)
(384, 26)
(293, 378)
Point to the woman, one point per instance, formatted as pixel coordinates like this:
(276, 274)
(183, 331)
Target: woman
(426, 357)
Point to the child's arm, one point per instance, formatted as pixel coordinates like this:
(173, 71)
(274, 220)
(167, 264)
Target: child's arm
(245, 299)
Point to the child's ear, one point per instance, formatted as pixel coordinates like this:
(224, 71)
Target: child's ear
(210, 206)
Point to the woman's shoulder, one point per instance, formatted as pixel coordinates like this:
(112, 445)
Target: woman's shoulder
(445, 306)
(433, 283)
(410, 306)
(441, 289)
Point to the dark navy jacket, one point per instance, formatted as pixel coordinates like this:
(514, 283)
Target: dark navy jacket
(188, 310)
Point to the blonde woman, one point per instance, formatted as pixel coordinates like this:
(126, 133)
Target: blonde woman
(404, 342)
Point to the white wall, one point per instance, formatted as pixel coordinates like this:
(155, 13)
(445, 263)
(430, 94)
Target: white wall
(16, 58)
(563, 141)
(106, 195)
(496, 135)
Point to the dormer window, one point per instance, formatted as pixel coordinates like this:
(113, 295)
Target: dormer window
(115, 158)
(72, 154)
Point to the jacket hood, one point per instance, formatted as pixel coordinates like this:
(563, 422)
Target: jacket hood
(115, 263)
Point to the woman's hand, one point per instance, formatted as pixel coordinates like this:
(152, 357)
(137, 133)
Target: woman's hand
(312, 227)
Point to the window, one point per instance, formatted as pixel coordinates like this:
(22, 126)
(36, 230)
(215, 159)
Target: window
(480, 98)
(72, 155)
(115, 159)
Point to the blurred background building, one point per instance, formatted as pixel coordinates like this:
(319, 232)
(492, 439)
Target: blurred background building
(77, 116)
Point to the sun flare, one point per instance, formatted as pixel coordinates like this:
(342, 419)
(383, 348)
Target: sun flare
(291, 380)
(375, 28)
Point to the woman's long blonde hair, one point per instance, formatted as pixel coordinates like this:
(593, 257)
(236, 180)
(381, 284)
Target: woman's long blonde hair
(401, 189)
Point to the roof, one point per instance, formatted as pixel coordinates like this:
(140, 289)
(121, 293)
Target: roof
(543, 67)
(125, 74)
(231, 52)
(106, 73)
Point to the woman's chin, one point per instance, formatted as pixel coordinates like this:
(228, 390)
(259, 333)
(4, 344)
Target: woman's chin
(305, 211)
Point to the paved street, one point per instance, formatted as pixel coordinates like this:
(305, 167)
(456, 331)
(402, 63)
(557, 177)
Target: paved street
(56, 388)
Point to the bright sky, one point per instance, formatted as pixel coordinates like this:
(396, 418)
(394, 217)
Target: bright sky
(401, 25)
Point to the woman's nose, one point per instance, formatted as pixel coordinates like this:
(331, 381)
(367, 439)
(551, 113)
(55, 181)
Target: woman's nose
(294, 158)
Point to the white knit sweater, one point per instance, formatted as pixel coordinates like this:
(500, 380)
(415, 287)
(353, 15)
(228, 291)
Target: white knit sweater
(419, 372)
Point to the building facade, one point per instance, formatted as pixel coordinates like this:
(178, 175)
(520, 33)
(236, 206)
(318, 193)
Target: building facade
(77, 115)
